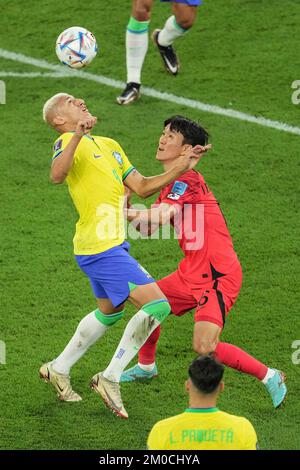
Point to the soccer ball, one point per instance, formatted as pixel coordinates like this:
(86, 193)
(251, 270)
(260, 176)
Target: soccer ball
(76, 47)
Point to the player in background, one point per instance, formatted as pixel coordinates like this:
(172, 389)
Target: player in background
(95, 169)
(209, 277)
(202, 426)
(176, 26)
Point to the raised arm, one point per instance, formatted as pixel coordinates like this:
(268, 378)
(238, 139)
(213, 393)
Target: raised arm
(63, 163)
(145, 186)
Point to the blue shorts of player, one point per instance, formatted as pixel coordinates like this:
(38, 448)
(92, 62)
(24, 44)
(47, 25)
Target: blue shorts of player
(191, 3)
(113, 273)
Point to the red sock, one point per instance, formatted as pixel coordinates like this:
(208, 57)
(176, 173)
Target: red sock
(148, 350)
(234, 357)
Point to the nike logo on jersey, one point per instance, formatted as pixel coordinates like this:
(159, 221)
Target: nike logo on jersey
(97, 156)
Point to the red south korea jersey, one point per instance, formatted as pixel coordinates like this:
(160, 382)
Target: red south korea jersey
(201, 229)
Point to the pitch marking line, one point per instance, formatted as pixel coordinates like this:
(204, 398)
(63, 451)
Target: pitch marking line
(33, 74)
(60, 71)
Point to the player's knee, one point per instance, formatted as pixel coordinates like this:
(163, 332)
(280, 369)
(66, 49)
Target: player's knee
(142, 10)
(141, 15)
(186, 22)
(185, 18)
(164, 310)
(159, 309)
(203, 347)
(108, 319)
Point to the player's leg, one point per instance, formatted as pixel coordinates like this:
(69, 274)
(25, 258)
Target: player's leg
(180, 300)
(185, 13)
(91, 328)
(124, 278)
(136, 49)
(146, 367)
(206, 341)
(205, 337)
(238, 359)
(176, 26)
(210, 315)
(153, 309)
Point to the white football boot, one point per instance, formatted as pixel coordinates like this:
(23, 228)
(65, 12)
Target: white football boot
(60, 382)
(110, 394)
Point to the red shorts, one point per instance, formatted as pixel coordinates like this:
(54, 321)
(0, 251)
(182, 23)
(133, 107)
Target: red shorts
(212, 300)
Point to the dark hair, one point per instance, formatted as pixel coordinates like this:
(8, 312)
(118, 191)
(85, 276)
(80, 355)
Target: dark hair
(192, 132)
(206, 373)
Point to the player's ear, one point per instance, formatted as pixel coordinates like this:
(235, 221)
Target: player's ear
(58, 120)
(222, 386)
(187, 385)
(187, 147)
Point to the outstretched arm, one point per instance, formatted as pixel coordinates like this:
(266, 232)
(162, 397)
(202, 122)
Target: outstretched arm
(145, 186)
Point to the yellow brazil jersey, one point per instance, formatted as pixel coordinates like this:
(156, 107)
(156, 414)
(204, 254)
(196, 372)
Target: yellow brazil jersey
(95, 183)
(203, 429)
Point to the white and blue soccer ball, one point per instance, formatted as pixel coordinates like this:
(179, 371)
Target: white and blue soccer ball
(76, 47)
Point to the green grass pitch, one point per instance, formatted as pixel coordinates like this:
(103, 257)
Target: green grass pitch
(241, 55)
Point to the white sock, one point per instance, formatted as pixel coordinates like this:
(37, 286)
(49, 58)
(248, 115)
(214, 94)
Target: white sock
(170, 32)
(138, 329)
(88, 331)
(270, 373)
(147, 367)
(136, 49)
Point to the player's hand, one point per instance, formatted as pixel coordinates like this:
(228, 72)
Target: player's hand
(191, 156)
(85, 126)
(198, 152)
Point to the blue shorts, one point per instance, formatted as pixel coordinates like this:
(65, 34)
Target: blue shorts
(191, 3)
(111, 272)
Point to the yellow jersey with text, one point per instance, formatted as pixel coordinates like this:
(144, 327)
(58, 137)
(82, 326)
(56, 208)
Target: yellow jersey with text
(203, 429)
(95, 183)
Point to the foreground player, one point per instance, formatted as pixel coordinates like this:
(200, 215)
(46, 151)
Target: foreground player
(176, 26)
(95, 169)
(209, 277)
(203, 426)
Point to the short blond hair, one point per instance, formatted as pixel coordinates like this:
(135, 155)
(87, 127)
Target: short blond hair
(50, 107)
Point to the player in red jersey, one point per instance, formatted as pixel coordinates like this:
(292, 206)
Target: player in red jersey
(209, 277)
